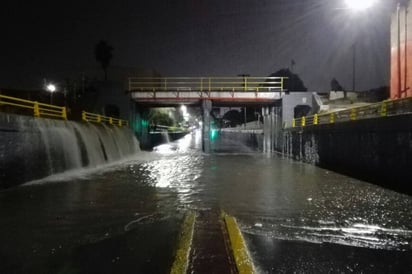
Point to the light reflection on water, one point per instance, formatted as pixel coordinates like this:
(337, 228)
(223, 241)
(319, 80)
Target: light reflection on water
(178, 168)
(270, 196)
(283, 199)
(362, 235)
(190, 142)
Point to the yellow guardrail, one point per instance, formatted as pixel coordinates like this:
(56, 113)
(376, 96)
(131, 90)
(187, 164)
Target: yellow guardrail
(97, 118)
(39, 109)
(57, 112)
(382, 109)
(206, 84)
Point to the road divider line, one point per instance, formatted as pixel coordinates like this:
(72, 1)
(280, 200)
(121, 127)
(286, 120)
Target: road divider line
(244, 262)
(181, 261)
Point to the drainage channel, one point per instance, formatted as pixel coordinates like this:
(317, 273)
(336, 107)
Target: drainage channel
(211, 242)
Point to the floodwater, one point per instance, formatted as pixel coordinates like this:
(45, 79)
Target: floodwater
(125, 217)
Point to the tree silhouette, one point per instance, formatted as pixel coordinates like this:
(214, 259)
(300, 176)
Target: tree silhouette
(335, 86)
(159, 117)
(234, 117)
(103, 54)
(293, 83)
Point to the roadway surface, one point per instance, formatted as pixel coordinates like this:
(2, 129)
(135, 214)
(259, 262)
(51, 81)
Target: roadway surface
(127, 217)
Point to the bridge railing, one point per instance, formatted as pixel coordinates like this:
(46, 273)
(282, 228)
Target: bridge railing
(206, 84)
(55, 112)
(37, 109)
(382, 109)
(97, 118)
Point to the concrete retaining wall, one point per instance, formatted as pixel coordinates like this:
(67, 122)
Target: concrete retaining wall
(238, 141)
(20, 147)
(33, 148)
(377, 150)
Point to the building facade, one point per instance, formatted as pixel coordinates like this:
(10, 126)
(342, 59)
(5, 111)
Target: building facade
(401, 50)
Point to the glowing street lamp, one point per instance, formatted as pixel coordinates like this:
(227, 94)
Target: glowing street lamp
(360, 5)
(357, 6)
(51, 88)
(183, 108)
(185, 114)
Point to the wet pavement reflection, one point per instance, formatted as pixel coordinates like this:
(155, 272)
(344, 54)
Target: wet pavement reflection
(125, 218)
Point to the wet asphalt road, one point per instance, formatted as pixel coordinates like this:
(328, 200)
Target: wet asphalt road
(125, 218)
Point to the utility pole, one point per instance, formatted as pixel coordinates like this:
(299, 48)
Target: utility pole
(245, 118)
(353, 69)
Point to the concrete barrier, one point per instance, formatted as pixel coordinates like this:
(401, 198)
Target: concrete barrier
(33, 148)
(238, 141)
(377, 150)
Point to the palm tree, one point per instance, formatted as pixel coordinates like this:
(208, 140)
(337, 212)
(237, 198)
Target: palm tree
(103, 54)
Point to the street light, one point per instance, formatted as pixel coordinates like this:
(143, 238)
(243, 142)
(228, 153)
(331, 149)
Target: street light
(51, 88)
(185, 114)
(357, 6)
(360, 5)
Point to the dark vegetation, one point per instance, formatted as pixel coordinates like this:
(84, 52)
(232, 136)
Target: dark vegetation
(103, 54)
(293, 81)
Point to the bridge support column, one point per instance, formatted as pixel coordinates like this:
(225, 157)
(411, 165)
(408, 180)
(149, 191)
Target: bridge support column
(273, 135)
(277, 128)
(267, 129)
(272, 129)
(206, 109)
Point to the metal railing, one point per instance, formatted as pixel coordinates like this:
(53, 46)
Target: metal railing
(206, 84)
(97, 118)
(38, 109)
(56, 112)
(382, 109)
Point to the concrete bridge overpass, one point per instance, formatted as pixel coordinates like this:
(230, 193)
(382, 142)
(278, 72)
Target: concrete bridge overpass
(207, 92)
(219, 90)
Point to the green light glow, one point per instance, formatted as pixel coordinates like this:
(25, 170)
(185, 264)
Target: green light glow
(213, 134)
(144, 123)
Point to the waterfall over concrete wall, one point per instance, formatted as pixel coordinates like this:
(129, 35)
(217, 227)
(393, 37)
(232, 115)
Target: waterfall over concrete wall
(35, 148)
(236, 140)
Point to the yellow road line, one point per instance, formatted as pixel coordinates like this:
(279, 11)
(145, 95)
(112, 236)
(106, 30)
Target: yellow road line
(243, 261)
(181, 261)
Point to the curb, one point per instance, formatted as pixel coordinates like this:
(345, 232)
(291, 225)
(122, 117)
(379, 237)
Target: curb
(244, 262)
(181, 261)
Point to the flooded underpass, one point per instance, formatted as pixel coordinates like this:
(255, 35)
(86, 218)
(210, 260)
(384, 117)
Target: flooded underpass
(127, 217)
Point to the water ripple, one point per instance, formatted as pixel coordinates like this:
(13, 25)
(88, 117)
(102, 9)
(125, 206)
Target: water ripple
(359, 234)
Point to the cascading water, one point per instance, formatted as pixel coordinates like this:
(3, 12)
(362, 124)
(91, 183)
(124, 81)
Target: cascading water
(165, 137)
(35, 148)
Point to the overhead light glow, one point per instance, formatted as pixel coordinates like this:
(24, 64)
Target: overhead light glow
(186, 115)
(51, 87)
(360, 5)
(183, 108)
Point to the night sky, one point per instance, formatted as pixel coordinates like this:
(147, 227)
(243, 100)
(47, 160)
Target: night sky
(56, 39)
